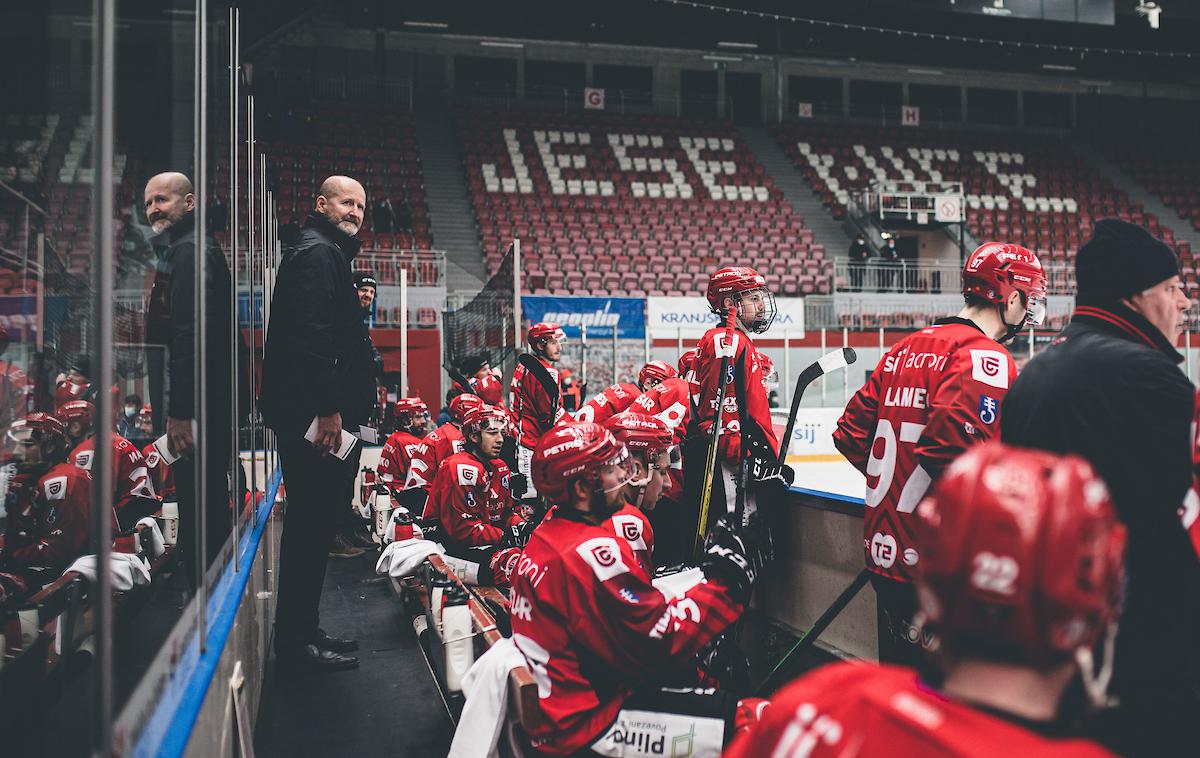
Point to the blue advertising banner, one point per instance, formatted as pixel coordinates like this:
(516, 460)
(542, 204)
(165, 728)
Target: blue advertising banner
(599, 314)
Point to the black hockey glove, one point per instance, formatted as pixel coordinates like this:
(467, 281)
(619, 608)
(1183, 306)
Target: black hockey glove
(518, 534)
(770, 477)
(723, 661)
(519, 485)
(732, 555)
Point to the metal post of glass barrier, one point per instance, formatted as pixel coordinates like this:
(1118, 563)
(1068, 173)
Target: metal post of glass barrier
(824, 349)
(614, 355)
(404, 333)
(103, 106)
(786, 385)
(252, 256)
(846, 373)
(234, 327)
(200, 453)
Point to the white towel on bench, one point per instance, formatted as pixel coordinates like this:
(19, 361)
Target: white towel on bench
(486, 689)
(128, 571)
(403, 558)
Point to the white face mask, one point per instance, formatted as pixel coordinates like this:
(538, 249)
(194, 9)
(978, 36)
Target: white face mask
(130, 410)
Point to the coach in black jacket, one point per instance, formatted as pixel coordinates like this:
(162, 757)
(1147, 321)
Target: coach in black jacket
(313, 367)
(1110, 388)
(171, 323)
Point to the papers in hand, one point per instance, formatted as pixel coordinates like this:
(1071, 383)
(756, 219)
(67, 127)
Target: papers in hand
(345, 445)
(164, 450)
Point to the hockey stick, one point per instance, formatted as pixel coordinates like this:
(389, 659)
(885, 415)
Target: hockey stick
(727, 351)
(808, 638)
(831, 361)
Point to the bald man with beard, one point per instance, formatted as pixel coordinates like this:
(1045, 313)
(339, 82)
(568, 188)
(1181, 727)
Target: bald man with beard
(316, 358)
(170, 205)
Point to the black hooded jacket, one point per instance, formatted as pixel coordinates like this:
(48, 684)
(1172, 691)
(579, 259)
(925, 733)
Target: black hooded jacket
(1110, 389)
(317, 361)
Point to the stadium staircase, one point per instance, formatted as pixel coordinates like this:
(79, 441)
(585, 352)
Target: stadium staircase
(796, 190)
(1139, 194)
(451, 218)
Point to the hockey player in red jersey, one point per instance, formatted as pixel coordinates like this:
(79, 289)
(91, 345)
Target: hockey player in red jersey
(668, 400)
(655, 373)
(1020, 581)
(470, 505)
(133, 490)
(49, 499)
(934, 394)
(613, 400)
(436, 447)
(596, 634)
(535, 397)
(488, 388)
(412, 421)
(649, 441)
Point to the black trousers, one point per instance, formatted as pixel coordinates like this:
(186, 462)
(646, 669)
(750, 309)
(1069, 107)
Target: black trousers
(316, 487)
(896, 604)
(216, 511)
(348, 520)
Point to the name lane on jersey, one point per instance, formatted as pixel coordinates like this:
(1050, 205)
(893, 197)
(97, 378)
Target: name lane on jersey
(906, 397)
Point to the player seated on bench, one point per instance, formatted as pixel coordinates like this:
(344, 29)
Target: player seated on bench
(133, 495)
(1019, 582)
(597, 635)
(412, 422)
(48, 499)
(436, 447)
(471, 505)
(649, 441)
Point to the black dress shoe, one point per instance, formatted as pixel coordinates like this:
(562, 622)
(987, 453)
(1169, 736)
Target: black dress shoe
(336, 644)
(359, 538)
(312, 658)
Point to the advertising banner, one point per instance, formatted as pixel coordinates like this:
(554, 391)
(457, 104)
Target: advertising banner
(690, 317)
(599, 314)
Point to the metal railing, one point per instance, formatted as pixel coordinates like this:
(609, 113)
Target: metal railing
(926, 277)
(426, 268)
(571, 99)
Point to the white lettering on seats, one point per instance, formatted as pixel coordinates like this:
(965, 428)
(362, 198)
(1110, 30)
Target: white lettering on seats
(710, 169)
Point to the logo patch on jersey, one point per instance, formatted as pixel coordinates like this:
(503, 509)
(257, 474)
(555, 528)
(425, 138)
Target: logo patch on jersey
(56, 488)
(630, 527)
(988, 408)
(468, 475)
(629, 596)
(84, 460)
(729, 374)
(604, 556)
(990, 367)
(883, 550)
(470, 499)
(152, 460)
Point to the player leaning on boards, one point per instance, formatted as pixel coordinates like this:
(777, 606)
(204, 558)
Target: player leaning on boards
(1109, 388)
(1020, 581)
(536, 402)
(935, 393)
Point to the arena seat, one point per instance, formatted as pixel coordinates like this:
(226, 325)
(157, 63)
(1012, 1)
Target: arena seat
(603, 201)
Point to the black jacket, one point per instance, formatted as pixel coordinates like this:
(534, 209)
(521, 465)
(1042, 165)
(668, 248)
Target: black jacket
(171, 322)
(1109, 388)
(317, 361)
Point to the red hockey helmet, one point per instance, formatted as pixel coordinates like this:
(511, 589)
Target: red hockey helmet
(659, 371)
(409, 410)
(488, 388)
(76, 410)
(738, 283)
(462, 404)
(996, 269)
(41, 430)
(571, 451)
(545, 330)
(485, 418)
(641, 432)
(146, 413)
(1021, 555)
(687, 361)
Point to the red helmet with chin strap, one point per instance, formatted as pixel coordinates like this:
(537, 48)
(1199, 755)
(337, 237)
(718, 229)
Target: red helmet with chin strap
(736, 282)
(657, 370)
(545, 330)
(572, 451)
(1021, 555)
(76, 410)
(461, 405)
(485, 417)
(996, 269)
(488, 388)
(407, 409)
(641, 432)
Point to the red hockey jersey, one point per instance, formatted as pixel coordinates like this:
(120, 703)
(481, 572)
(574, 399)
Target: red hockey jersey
(592, 627)
(935, 393)
(610, 402)
(131, 478)
(533, 407)
(463, 500)
(52, 520)
(746, 359)
(670, 401)
(631, 525)
(437, 446)
(859, 709)
(394, 458)
(161, 474)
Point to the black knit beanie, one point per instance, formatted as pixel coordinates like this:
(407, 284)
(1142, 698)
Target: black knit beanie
(1120, 260)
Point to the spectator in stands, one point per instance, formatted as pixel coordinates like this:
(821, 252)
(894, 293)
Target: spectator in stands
(1109, 388)
(403, 216)
(311, 375)
(475, 366)
(889, 264)
(383, 217)
(218, 214)
(170, 205)
(127, 422)
(859, 253)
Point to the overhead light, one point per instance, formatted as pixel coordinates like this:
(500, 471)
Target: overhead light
(1094, 83)
(427, 24)
(724, 58)
(491, 43)
(925, 71)
(1058, 67)
(740, 45)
